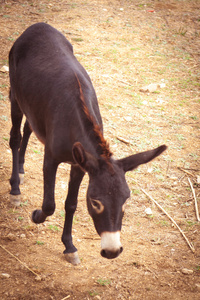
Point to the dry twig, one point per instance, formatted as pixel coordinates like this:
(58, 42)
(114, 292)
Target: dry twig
(67, 297)
(189, 173)
(20, 261)
(154, 201)
(121, 139)
(195, 200)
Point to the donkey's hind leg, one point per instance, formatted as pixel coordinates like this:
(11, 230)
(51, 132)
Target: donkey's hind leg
(26, 135)
(15, 140)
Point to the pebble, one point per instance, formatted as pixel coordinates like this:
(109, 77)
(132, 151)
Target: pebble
(152, 87)
(5, 275)
(22, 236)
(4, 69)
(38, 278)
(149, 88)
(128, 119)
(11, 237)
(197, 285)
(187, 271)
(148, 211)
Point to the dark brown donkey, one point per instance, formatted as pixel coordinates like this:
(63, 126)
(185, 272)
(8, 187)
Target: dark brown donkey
(55, 93)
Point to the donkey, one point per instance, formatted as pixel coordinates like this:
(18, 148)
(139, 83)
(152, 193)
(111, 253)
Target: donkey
(54, 92)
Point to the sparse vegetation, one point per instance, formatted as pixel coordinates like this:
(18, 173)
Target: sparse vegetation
(123, 45)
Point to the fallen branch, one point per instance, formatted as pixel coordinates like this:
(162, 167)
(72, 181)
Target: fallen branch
(38, 276)
(189, 173)
(121, 139)
(195, 200)
(154, 201)
(67, 297)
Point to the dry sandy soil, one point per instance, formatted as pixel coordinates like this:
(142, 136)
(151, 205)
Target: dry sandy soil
(123, 45)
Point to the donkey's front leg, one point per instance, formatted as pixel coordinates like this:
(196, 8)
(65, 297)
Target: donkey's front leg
(15, 140)
(48, 206)
(76, 176)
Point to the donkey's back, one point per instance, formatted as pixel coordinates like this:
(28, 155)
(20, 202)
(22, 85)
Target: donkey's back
(45, 78)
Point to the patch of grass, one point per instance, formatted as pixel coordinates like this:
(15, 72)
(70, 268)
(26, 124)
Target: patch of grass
(62, 214)
(2, 97)
(194, 117)
(53, 228)
(93, 293)
(13, 211)
(4, 118)
(190, 223)
(163, 223)
(36, 151)
(197, 269)
(78, 40)
(103, 282)
(24, 203)
(39, 243)
(136, 192)
(20, 218)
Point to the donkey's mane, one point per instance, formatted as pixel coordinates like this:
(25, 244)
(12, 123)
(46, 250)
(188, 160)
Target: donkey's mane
(104, 145)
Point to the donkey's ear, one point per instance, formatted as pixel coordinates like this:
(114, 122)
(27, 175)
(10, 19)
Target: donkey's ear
(133, 161)
(85, 160)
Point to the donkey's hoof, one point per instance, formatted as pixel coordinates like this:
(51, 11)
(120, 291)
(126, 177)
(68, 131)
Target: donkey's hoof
(15, 200)
(21, 177)
(72, 258)
(38, 216)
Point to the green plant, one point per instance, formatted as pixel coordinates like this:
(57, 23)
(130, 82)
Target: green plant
(197, 269)
(93, 293)
(62, 214)
(4, 118)
(24, 203)
(39, 243)
(36, 151)
(104, 282)
(53, 228)
(77, 40)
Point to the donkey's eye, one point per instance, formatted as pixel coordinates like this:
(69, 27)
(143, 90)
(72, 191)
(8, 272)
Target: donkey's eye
(97, 206)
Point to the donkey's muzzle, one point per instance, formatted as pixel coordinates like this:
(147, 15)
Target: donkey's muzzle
(110, 244)
(110, 254)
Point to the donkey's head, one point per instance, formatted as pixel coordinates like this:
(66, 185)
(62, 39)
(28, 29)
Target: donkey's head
(108, 192)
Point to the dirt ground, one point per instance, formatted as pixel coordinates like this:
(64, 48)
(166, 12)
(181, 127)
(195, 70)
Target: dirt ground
(124, 45)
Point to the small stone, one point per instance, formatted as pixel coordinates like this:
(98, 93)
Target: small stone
(11, 237)
(187, 271)
(128, 119)
(197, 285)
(22, 236)
(162, 85)
(148, 211)
(38, 278)
(5, 275)
(4, 69)
(149, 88)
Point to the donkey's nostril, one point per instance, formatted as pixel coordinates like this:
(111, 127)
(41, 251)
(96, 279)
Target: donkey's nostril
(103, 253)
(110, 254)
